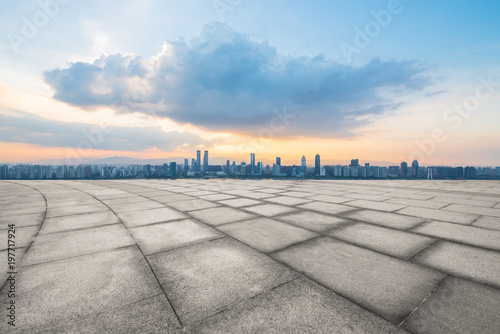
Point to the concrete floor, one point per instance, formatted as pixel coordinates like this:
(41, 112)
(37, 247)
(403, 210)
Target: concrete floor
(266, 256)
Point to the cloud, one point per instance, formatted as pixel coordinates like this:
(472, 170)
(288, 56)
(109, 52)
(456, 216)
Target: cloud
(21, 127)
(223, 81)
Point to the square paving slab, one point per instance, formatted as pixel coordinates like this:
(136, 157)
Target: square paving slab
(62, 245)
(458, 307)
(299, 306)
(191, 205)
(470, 262)
(203, 279)
(270, 210)
(265, 234)
(386, 240)
(239, 202)
(311, 220)
(68, 290)
(160, 237)
(448, 216)
(330, 208)
(146, 217)
(75, 222)
(387, 286)
(220, 215)
(385, 219)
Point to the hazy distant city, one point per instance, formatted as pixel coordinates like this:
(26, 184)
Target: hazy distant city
(200, 167)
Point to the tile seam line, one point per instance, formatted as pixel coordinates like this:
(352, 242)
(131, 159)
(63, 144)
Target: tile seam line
(37, 232)
(142, 252)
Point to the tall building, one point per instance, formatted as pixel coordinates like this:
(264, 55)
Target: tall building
(278, 161)
(252, 163)
(354, 163)
(228, 167)
(205, 162)
(173, 169)
(4, 172)
(404, 169)
(259, 168)
(186, 165)
(414, 168)
(193, 165)
(303, 167)
(198, 161)
(317, 165)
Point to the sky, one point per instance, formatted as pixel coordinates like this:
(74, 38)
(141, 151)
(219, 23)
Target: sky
(384, 81)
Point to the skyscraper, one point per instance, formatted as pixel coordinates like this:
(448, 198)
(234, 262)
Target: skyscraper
(303, 167)
(317, 165)
(193, 165)
(414, 168)
(278, 161)
(198, 161)
(354, 163)
(4, 172)
(205, 162)
(252, 163)
(173, 169)
(404, 169)
(186, 165)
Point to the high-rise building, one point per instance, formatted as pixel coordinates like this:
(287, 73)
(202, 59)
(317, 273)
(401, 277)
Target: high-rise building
(198, 161)
(259, 168)
(278, 161)
(205, 162)
(252, 163)
(354, 163)
(317, 165)
(404, 169)
(186, 165)
(303, 167)
(173, 169)
(414, 168)
(193, 165)
(228, 167)
(4, 172)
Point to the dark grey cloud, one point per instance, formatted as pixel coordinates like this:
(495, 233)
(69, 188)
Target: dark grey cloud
(31, 129)
(222, 80)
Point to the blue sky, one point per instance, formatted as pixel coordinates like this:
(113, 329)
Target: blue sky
(217, 71)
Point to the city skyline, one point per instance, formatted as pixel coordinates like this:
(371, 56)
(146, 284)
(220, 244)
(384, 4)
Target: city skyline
(368, 79)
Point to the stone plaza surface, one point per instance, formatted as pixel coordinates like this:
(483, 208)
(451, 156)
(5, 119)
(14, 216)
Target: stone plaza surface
(252, 256)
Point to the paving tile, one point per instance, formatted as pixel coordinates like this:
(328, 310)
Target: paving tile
(165, 199)
(63, 245)
(491, 223)
(63, 291)
(300, 306)
(285, 200)
(140, 218)
(23, 236)
(312, 220)
(22, 220)
(239, 202)
(458, 307)
(152, 315)
(203, 279)
(330, 199)
(368, 197)
(217, 197)
(221, 215)
(270, 210)
(477, 264)
(330, 208)
(8, 213)
(160, 237)
(467, 234)
(453, 217)
(257, 195)
(74, 210)
(75, 222)
(300, 194)
(136, 206)
(494, 212)
(271, 190)
(385, 219)
(265, 234)
(372, 205)
(422, 204)
(468, 201)
(125, 200)
(387, 286)
(190, 205)
(386, 240)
